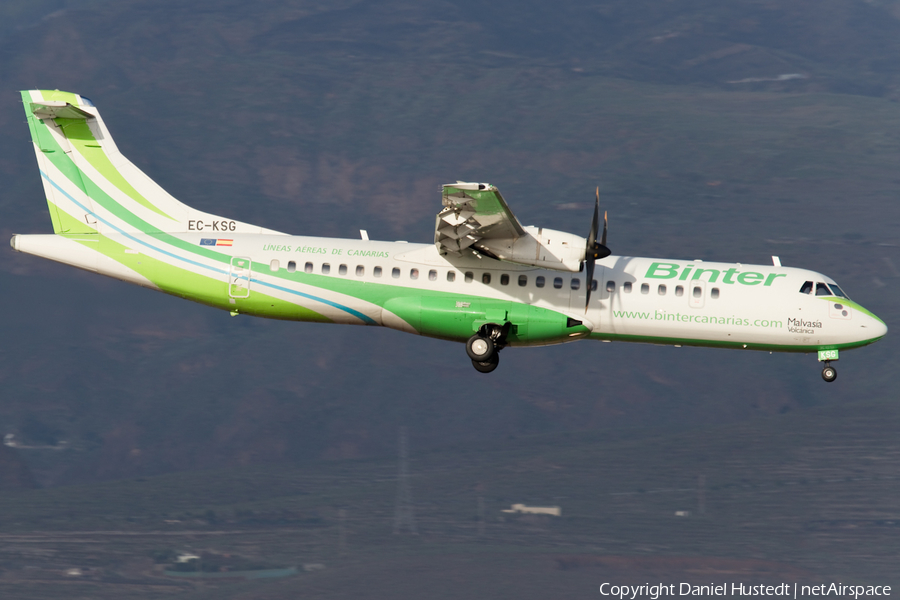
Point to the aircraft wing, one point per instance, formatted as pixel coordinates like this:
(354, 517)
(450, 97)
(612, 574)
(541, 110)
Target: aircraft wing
(473, 213)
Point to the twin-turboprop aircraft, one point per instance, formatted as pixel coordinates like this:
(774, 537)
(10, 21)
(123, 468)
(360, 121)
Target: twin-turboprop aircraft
(486, 281)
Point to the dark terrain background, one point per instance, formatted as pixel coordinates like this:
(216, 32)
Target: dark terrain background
(721, 131)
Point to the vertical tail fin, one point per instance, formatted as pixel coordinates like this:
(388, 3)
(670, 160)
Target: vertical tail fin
(91, 187)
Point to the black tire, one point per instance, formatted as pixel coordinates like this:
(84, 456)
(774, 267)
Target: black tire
(829, 374)
(480, 349)
(488, 365)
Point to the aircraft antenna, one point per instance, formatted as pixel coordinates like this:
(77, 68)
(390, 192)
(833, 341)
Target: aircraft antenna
(403, 509)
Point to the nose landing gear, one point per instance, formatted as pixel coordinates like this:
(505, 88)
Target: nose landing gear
(829, 373)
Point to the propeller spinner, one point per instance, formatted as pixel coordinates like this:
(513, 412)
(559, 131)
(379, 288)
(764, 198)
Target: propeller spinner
(594, 249)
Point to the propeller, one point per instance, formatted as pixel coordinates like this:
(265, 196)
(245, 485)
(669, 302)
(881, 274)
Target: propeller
(594, 249)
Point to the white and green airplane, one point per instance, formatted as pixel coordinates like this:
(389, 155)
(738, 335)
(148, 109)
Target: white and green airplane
(486, 281)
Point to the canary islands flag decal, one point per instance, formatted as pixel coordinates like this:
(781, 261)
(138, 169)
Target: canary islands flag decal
(215, 242)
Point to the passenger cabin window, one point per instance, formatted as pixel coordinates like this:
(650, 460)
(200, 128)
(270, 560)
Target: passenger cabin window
(593, 285)
(575, 283)
(504, 279)
(679, 290)
(486, 278)
(451, 276)
(698, 292)
(395, 273)
(432, 275)
(360, 270)
(291, 266)
(470, 277)
(610, 286)
(413, 273)
(342, 270)
(645, 288)
(806, 288)
(626, 287)
(326, 268)
(308, 267)
(539, 281)
(376, 271)
(822, 289)
(274, 265)
(523, 280)
(661, 290)
(714, 293)
(557, 282)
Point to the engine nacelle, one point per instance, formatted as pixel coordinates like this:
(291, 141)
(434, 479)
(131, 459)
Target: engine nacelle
(540, 247)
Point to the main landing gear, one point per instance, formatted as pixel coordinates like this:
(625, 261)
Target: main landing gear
(484, 347)
(829, 373)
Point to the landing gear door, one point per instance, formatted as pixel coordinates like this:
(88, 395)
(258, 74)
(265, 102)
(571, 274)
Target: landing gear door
(239, 277)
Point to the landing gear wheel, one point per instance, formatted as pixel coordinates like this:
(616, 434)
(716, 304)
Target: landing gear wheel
(488, 365)
(829, 373)
(481, 349)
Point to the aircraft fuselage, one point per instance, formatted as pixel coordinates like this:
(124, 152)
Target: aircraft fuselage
(486, 280)
(412, 288)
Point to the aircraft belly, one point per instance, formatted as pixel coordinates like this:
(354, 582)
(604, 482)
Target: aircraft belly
(457, 317)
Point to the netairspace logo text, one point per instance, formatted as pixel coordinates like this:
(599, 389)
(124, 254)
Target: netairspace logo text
(784, 590)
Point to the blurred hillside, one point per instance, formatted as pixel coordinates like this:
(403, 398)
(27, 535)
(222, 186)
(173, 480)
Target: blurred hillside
(730, 131)
(808, 497)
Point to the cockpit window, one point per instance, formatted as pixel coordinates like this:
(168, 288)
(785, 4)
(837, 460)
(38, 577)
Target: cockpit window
(822, 289)
(806, 288)
(837, 290)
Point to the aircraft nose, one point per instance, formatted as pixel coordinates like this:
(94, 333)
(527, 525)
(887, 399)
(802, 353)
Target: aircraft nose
(879, 327)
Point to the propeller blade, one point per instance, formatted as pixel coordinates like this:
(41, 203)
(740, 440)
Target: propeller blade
(592, 236)
(589, 272)
(605, 223)
(590, 251)
(593, 249)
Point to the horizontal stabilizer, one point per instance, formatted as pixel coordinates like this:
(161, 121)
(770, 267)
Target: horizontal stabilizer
(53, 109)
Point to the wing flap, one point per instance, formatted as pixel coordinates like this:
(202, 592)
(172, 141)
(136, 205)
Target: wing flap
(476, 218)
(473, 212)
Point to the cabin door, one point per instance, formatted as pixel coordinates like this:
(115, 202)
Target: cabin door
(696, 290)
(239, 277)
